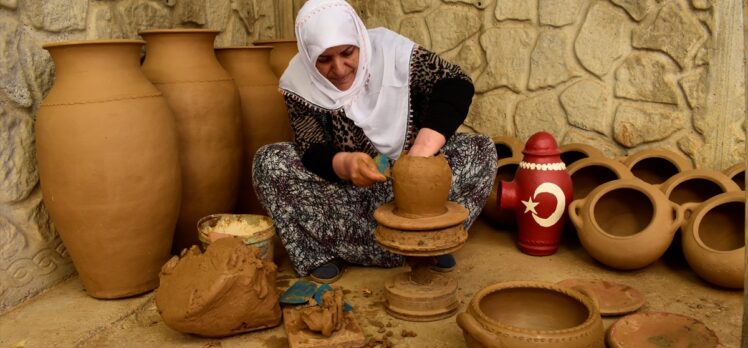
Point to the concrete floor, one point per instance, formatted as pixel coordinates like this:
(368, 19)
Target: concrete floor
(65, 316)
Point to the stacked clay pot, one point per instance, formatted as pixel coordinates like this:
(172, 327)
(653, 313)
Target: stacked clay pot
(572, 152)
(264, 115)
(524, 314)
(655, 166)
(588, 173)
(692, 187)
(625, 224)
(107, 153)
(182, 64)
(737, 174)
(282, 53)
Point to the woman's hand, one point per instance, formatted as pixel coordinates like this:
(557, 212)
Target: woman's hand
(358, 167)
(428, 142)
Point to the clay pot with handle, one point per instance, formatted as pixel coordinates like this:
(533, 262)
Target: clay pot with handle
(655, 166)
(572, 152)
(737, 174)
(692, 187)
(589, 173)
(625, 224)
(525, 314)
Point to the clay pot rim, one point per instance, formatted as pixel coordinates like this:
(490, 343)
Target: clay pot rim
(614, 327)
(259, 42)
(179, 31)
(628, 183)
(676, 159)
(717, 177)
(241, 48)
(733, 170)
(92, 42)
(698, 215)
(586, 301)
(511, 142)
(616, 167)
(587, 149)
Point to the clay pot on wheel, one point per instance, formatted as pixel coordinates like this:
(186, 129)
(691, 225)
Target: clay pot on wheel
(625, 224)
(531, 314)
(421, 185)
(573, 152)
(655, 166)
(282, 53)
(713, 240)
(108, 161)
(737, 174)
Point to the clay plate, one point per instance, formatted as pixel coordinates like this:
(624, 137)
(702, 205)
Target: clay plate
(660, 329)
(612, 298)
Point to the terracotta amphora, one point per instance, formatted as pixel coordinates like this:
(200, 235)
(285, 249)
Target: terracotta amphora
(280, 56)
(264, 114)
(108, 160)
(737, 174)
(713, 240)
(524, 314)
(692, 187)
(421, 185)
(505, 171)
(655, 166)
(182, 64)
(625, 224)
(573, 152)
(589, 173)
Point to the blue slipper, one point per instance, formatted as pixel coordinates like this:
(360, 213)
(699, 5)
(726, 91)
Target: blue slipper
(328, 272)
(444, 263)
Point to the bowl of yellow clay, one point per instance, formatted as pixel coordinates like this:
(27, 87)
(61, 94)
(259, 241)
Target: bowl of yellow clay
(251, 229)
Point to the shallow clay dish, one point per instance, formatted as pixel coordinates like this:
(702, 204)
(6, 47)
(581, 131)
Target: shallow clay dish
(612, 298)
(660, 329)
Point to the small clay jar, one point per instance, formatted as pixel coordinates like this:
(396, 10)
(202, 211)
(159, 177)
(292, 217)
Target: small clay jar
(692, 187)
(572, 152)
(655, 166)
(591, 172)
(625, 224)
(282, 53)
(737, 174)
(421, 185)
(505, 171)
(508, 147)
(524, 314)
(713, 240)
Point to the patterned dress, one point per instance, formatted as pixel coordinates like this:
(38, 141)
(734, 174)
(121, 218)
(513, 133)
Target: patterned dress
(317, 216)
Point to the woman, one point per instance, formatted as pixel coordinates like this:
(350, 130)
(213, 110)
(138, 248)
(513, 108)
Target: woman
(354, 94)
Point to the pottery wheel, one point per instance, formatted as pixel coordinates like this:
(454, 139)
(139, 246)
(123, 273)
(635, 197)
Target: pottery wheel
(407, 300)
(660, 329)
(612, 298)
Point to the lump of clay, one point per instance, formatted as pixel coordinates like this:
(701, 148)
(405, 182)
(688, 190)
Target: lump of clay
(225, 291)
(327, 317)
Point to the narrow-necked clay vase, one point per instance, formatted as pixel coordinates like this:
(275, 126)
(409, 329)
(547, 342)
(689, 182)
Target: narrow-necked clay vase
(182, 64)
(714, 240)
(573, 152)
(737, 174)
(421, 185)
(589, 173)
(280, 56)
(524, 314)
(508, 147)
(692, 187)
(264, 114)
(505, 171)
(108, 161)
(625, 224)
(655, 166)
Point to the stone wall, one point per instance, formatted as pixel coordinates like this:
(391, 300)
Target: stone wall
(623, 75)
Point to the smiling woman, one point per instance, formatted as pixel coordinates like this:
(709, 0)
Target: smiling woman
(339, 64)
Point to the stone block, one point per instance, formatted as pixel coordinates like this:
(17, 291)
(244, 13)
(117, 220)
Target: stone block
(410, 6)
(602, 39)
(635, 125)
(491, 113)
(520, 10)
(56, 15)
(559, 13)
(445, 35)
(600, 142)
(637, 9)
(586, 103)
(190, 12)
(674, 31)
(18, 174)
(643, 77)
(694, 87)
(10, 4)
(548, 63)
(414, 28)
(507, 58)
(481, 4)
(541, 112)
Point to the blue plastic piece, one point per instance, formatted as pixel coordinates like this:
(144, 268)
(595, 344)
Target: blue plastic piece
(299, 293)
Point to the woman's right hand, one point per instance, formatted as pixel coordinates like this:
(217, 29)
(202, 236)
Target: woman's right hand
(358, 167)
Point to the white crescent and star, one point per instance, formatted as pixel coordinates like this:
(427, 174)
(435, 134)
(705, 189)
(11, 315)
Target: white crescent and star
(558, 212)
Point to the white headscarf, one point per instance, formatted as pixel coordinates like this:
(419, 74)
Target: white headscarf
(378, 99)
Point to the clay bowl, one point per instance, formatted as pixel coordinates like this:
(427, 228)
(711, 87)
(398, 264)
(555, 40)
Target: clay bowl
(531, 314)
(692, 187)
(588, 173)
(505, 171)
(655, 166)
(658, 330)
(508, 147)
(737, 174)
(573, 152)
(625, 224)
(251, 229)
(713, 240)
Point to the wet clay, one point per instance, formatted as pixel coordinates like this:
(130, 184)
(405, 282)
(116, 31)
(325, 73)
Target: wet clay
(421, 185)
(324, 325)
(327, 317)
(225, 291)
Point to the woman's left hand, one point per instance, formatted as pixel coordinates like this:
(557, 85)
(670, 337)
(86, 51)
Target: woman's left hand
(428, 142)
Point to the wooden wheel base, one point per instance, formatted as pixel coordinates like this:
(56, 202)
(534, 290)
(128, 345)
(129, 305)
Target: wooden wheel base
(411, 301)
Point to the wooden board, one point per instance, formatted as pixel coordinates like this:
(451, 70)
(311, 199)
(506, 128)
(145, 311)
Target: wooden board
(349, 336)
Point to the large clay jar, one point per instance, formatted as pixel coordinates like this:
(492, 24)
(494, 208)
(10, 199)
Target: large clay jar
(421, 185)
(280, 56)
(625, 224)
(205, 101)
(589, 173)
(655, 166)
(107, 154)
(505, 171)
(525, 314)
(264, 115)
(573, 152)
(692, 187)
(713, 240)
(737, 174)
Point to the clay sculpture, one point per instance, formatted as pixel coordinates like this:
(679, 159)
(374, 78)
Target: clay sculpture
(225, 291)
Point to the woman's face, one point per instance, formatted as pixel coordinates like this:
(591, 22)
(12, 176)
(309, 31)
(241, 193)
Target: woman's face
(339, 64)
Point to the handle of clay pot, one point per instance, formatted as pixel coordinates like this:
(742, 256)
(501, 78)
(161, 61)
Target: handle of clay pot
(680, 212)
(573, 209)
(475, 329)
